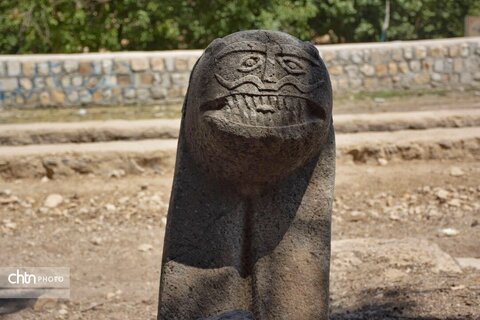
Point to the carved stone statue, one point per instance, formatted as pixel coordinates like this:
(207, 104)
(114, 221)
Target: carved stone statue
(248, 228)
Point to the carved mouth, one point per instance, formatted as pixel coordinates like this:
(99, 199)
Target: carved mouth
(263, 110)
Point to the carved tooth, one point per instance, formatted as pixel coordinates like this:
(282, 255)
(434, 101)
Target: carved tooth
(257, 101)
(292, 119)
(284, 111)
(299, 113)
(240, 109)
(230, 102)
(269, 119)
(274, 102)
(304, 110)
(244, 112)
(280, 102)
(259, 116)
(265, 100)
(251, 113)
(228, 112)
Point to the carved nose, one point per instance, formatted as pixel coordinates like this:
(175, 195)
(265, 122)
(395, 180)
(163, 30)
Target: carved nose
(269, 73)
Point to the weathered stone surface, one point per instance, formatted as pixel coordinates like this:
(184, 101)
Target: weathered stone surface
(92, 82)
(381, 69)
(392, 68)
(13, 68)
(466, 263)
(453, 51)
(174, 92)
(139, 64)
(403, 66)
(357, 57)
(157, 64)
(121, 66)
(72, 96)
(450, 63)
(85, 96)
(107, 66)
(408, 53)
(397, 54)
(8, 84)
(44, 98)
(465, 78)
(109, 81)
(233, 315)
(336, 70)
(123, 80)
(415, 65)
(170, 64)
(143, 78)
(43, 68)
(28, 69)
(159, 93)
(39, 83)
(180, 79)
(51, 83)
(97, 97)
(422, 78)
(143, 94)
(464, 50)
(248, 228)
(328, 56)
(65, 81)
(370, 83)
(70, 66)
(85, 68)
(26, 84)
(56, 67)
(96, 67)
(58, 97)
(436, 77)
(457, 65)
(420, 52)
(181, 64)
(438, 51)
(367, 70)
(129, 93)
(438, 65)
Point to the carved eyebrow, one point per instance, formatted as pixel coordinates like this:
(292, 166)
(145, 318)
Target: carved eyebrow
(255, 46)
(288, 50)
(243, 46)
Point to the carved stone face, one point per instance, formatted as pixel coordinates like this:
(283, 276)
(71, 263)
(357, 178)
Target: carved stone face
(257, 101)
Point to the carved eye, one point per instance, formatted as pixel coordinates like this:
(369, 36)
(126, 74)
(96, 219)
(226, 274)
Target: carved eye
(250, 63)
(293, 65)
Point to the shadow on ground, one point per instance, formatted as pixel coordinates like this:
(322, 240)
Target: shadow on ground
(393, 304)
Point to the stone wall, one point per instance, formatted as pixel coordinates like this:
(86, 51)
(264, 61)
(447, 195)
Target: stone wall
(154, 77)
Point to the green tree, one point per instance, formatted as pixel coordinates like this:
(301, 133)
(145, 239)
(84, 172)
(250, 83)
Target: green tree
(56, 26)
(361, 20)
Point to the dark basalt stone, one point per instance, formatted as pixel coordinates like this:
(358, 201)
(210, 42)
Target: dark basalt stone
(249, 219)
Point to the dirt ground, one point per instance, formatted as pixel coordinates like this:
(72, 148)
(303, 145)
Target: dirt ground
(109, 231)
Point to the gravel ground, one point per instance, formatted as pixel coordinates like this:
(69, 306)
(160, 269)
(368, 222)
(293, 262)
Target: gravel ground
(109, 231)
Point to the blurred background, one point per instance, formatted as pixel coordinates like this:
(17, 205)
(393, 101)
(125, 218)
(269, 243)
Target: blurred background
(67, 26)
(90, 103)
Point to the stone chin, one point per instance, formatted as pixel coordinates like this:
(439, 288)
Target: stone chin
(258, 107)
(257, 116)
(256, 139)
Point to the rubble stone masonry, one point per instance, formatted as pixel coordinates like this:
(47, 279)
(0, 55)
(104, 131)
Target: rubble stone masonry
(159, 76)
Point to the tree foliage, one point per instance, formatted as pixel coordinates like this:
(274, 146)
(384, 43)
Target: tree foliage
(56, 26)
